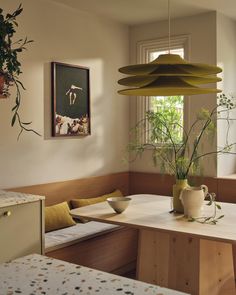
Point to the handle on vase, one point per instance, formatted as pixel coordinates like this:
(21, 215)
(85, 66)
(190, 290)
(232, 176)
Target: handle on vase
(180, 195)
(205, 189)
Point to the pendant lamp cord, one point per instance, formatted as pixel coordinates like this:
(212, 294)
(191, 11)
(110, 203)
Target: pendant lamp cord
(169, 25)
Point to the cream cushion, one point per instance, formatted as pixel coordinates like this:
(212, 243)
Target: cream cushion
(71, 235)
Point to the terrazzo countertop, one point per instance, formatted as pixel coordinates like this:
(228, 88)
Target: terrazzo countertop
(14, 198)
(35, 274)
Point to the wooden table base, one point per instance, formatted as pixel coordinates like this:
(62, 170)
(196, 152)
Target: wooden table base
(188, 264)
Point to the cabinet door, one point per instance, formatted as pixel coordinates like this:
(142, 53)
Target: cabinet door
(20, 230)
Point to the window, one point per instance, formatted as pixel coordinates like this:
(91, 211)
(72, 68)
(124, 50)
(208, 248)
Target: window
(173, 106)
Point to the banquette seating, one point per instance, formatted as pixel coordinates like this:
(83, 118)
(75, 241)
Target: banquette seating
(92, 244)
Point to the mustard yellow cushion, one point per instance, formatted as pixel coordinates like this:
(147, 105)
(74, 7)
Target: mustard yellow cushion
(57, 217)
(76, 203)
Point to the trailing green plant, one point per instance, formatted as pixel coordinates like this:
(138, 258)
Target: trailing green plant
(10, 67)
(174, 155)
(212, 219)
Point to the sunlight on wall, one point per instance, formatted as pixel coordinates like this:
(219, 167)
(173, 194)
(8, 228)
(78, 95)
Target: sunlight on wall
(226, 58)
(80, 39)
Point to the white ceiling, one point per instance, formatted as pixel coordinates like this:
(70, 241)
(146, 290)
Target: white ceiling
(143, 11)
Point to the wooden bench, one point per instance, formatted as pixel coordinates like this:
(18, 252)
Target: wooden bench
(114, 250)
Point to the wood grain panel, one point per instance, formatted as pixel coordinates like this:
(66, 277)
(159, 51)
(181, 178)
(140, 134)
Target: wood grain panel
(112, 252)
(161, 184)
(190, 265)
(57, 192)
(210, 182)
(146, 257)
(151, 183)
(227, 190)
(153, 257)
(169, 260)
(184, 263)
(216, 267)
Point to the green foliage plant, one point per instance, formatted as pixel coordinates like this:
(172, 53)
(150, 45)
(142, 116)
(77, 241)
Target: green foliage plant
(180, 155)
(213, 218)
(10, 67)
(171, 108)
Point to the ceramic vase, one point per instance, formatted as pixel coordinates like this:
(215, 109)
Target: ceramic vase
(177, 188)
(193, 200)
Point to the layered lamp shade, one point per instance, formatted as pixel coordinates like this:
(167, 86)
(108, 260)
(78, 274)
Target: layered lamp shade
(169, 75)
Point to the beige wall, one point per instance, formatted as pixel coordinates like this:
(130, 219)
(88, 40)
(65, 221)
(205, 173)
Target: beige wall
(65, 35)
(202, 31)
(226, 58)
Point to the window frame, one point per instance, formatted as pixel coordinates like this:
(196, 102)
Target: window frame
(144, 49)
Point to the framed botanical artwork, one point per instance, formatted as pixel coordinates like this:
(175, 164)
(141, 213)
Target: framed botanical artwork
(70, 100)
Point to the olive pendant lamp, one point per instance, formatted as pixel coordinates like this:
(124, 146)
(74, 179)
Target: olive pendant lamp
(168, 75)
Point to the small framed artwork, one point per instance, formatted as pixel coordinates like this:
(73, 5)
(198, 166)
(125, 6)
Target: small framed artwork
(70, 100)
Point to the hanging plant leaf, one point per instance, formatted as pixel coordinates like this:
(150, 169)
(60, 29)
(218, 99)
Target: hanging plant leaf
(10, 67)
(14, 107)
(13, 120)
(26, 123)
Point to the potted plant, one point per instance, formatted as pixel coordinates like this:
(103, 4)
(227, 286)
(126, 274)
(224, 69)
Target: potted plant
(180, 156)
(10, 67)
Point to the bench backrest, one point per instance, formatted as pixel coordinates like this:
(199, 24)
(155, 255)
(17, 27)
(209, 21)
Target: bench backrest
(57, 192)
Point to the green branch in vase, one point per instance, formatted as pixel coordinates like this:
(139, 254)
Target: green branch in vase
(212, 219)
(181, 157)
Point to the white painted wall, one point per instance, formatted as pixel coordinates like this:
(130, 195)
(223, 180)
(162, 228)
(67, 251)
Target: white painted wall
(226, 58)
(65, 35)
(202, 31)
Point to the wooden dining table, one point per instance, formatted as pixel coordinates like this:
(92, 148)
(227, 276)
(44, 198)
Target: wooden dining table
(187, 256)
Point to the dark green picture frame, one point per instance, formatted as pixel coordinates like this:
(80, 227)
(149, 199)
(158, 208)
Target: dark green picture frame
(70, 100)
